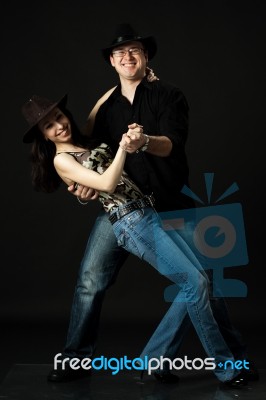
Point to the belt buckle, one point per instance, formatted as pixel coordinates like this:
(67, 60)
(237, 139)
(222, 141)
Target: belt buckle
(123, 212)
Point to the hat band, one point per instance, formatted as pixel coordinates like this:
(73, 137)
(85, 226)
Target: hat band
(126, 37)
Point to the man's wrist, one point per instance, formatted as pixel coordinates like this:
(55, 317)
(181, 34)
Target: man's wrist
(145, 145)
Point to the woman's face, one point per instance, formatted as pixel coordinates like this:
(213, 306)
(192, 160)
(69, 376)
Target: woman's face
(56, 126)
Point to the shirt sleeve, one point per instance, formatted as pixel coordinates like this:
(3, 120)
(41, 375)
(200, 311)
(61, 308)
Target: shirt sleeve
(173, 117)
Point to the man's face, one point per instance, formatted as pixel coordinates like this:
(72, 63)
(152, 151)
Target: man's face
(130, 60)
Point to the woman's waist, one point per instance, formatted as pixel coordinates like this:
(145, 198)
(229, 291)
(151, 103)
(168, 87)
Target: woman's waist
(117, 212)
(123, 194)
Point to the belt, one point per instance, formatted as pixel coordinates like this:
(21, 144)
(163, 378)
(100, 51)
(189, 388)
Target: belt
(146, 201)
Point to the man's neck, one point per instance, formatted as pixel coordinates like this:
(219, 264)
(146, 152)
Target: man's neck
(128, 88)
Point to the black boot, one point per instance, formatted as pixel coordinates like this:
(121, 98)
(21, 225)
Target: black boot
(237, 382)
(67, 374)
(166, 377)
(252, 374)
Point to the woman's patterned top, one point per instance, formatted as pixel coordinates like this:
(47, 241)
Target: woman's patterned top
(99, 160)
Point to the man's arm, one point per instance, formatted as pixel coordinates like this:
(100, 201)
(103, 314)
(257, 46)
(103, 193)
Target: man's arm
(172, 126)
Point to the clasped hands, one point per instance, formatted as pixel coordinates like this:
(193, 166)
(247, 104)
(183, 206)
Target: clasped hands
(133, 139)
(130, 142)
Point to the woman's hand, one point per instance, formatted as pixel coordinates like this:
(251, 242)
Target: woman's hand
(151, 77)
(134, 138)
(124, 142)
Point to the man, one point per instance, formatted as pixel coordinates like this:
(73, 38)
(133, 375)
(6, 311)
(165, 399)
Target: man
(157, 115)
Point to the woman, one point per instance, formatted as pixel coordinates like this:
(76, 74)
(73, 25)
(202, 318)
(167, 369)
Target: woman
(61, 153)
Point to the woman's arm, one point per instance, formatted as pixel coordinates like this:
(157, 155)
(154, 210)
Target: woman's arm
(71, 171)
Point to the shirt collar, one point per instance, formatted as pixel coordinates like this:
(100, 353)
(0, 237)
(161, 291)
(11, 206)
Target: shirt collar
(144, 83)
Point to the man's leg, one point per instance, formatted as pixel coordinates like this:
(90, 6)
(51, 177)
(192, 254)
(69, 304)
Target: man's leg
(100, 265)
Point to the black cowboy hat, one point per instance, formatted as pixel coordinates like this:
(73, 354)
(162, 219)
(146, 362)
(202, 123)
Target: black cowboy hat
(35, 109)
(125, 33)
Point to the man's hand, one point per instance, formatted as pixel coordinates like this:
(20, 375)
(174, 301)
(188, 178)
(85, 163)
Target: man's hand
(157, 145)
(82, 192)
(135, 138)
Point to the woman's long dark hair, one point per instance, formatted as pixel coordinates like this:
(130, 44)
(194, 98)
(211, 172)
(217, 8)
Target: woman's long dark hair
(43, 173)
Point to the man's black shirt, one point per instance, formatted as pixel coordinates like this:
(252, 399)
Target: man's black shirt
(162, 110)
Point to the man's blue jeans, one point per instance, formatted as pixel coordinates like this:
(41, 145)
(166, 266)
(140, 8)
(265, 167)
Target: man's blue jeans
(141, 233)
(101, 263)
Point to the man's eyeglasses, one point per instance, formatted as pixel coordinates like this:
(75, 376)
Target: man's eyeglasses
(121, 53)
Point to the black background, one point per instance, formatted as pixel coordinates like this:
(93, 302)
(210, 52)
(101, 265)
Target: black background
(215, 52)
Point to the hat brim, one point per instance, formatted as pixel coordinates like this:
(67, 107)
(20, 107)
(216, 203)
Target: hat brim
(149, 43)
(30, 135)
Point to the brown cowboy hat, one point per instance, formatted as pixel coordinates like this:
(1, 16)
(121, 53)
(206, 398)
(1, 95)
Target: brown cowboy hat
(125, 33)
(35, 109)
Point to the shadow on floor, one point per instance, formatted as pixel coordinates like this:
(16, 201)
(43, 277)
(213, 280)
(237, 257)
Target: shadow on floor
(29, 382)
(27, 351)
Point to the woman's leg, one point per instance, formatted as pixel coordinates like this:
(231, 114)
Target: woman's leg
(140, 232)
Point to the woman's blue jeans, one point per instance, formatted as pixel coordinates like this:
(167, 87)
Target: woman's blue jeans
(140, 232)
(99, 268)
